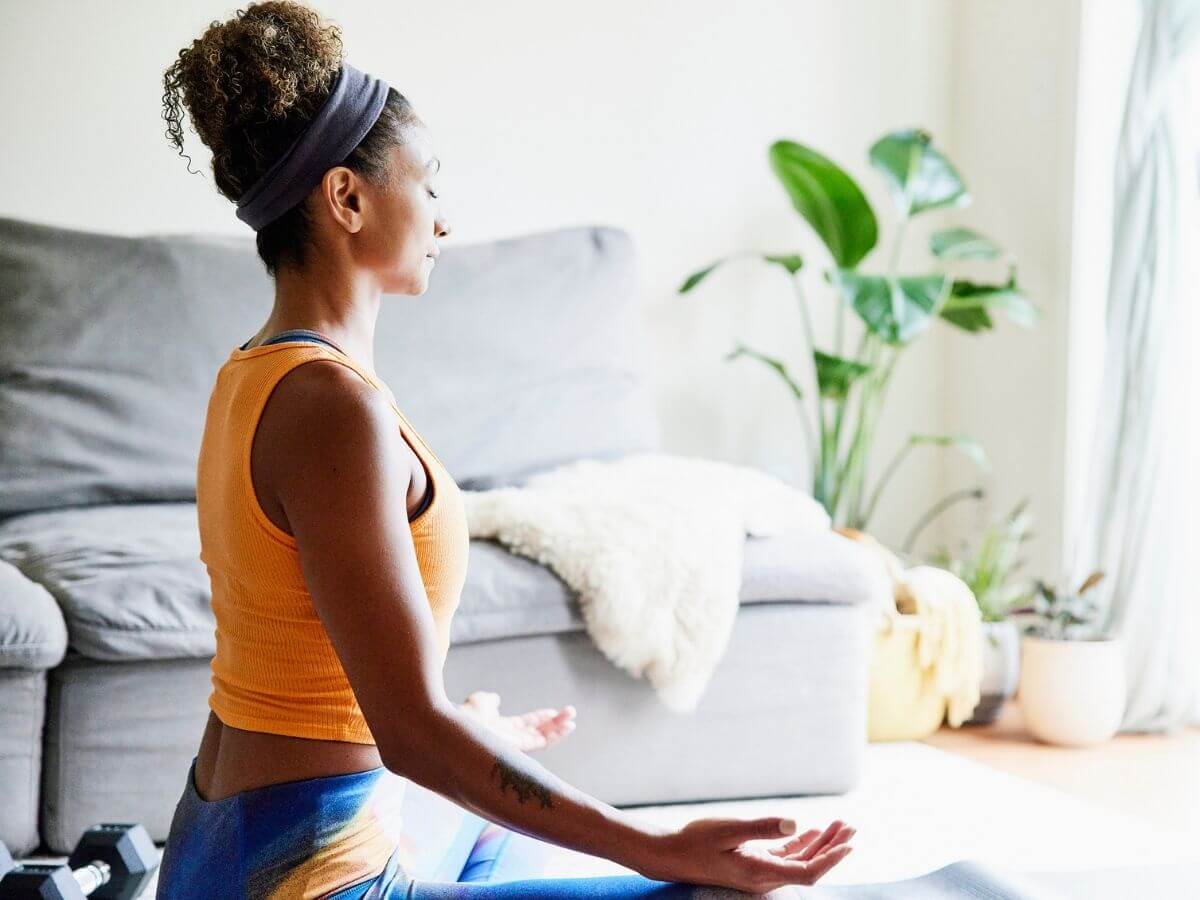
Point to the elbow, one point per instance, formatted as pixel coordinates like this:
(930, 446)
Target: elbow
(416, 738)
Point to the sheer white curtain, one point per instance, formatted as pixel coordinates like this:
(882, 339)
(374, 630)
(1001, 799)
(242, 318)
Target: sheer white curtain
(1141, 507)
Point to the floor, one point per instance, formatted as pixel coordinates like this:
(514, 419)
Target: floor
(919, 808)
(1048, 810)
(1155, 778)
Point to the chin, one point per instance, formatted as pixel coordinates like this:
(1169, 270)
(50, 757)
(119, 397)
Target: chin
(409, 283)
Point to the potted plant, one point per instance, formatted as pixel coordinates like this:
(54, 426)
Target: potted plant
(989, 571)
(841, 388)
(1072, 683)
(843, 382)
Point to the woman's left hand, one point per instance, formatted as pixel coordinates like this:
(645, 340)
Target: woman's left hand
(530, 731)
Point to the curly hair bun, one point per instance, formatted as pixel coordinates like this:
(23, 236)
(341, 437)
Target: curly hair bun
(250, 85)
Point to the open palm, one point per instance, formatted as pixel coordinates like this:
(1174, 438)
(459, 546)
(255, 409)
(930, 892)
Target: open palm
(533, 730)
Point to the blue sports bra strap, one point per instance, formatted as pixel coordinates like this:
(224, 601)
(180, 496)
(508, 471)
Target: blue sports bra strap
(293, 334)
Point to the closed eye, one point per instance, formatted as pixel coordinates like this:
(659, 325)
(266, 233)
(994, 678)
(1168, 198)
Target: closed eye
(432, 194)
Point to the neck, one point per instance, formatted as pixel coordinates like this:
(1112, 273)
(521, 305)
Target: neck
(339, 305)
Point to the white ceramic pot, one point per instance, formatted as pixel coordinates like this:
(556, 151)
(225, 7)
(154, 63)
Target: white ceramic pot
(1072, 692)
(1001, 666)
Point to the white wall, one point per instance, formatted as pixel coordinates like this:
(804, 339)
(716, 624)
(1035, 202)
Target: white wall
(654, 117)
(1013, 132)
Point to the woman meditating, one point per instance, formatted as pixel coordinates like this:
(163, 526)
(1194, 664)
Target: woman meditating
(336, 543)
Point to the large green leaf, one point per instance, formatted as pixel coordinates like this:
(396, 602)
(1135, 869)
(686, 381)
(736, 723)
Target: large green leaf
(835, 375)
(971, 448)
(962, 243)
(970, 305)
(829, 199)
(897, 310)
(779, 368)
(919, 176)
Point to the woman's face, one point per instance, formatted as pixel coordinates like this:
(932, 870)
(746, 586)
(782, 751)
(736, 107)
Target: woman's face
(400, 234)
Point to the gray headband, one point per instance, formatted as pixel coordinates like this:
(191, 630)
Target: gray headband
(343, 121)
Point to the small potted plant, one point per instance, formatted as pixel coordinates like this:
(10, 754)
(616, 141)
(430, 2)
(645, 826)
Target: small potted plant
(989, 571)
(1072, 683)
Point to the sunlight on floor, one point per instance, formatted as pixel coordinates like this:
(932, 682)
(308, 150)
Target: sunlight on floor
(1155, 778)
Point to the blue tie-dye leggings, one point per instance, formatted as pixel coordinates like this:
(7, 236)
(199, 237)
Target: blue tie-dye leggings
(374, 836)
(349, 837)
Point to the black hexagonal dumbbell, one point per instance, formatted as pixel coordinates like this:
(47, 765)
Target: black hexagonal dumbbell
(111, 862)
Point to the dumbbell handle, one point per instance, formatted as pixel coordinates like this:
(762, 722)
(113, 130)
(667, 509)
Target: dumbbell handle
(92, 876)
(89, 877)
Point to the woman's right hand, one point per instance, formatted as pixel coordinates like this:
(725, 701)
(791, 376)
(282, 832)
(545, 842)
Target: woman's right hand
(713, 852)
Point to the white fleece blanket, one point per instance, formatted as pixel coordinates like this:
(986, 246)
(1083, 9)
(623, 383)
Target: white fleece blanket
(652, 543)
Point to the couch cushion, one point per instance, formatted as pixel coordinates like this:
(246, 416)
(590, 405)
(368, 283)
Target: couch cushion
(32, 632)
(131, 584)
(108, 351)
(520, 355)
(524, 353)
(128, 577)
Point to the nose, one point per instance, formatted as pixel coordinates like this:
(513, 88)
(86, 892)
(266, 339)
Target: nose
(441, 228)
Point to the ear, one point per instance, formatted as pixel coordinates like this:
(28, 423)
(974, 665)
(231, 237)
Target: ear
(342, 194)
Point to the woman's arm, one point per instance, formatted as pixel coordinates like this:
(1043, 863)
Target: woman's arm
(341, 474)
(343, 485)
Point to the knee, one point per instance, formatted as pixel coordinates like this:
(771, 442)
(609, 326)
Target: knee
(504, 855)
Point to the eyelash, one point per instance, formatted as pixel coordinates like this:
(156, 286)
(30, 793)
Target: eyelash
(433, 195)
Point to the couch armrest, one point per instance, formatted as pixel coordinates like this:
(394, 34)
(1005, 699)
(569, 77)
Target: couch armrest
(33, 634)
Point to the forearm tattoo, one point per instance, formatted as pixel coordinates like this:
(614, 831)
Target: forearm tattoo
(523, 784)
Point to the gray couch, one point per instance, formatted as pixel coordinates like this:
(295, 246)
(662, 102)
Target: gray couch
(523, 354)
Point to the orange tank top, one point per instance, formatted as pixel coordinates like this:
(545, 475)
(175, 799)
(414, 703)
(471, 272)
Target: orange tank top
(275, 669)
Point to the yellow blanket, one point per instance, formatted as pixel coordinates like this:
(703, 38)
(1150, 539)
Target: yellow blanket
(949, 628)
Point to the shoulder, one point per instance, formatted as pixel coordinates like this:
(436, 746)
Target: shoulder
(324, 410)
(323, 388)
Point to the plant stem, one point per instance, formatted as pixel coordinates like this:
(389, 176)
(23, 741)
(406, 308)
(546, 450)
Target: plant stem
(841, 325)
(858, 456)
(794, 389)
(888, 472)
(851, 484)
(884, 382)
(936, 510)
(804, 314)
(843, 405)
(858, 482)
(845, 462)
(820, 486)
(810, 439)
(854, 459)
(894, 261)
